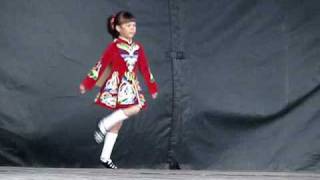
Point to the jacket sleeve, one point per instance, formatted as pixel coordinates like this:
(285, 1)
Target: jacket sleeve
(146, 72)
(95, 72)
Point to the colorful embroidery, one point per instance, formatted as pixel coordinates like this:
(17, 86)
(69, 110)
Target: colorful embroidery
(127, 93)
(129, 48)
(111, 85)
(130, 60)
(142, 99)
(94, 72)
(108, 99)
(129, 53)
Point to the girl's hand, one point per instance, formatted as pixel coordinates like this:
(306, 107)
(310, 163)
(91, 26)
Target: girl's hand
(82, 89)
(154, 96)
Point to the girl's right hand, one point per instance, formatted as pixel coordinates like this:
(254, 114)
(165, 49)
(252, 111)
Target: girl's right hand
(82, 89)
(154, 96)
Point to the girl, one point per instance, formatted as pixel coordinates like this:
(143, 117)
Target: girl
(120, 90)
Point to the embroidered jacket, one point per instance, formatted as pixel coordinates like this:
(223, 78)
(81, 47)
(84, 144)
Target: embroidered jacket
(121, 88)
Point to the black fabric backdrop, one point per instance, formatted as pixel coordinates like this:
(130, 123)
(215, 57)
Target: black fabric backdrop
(239, 84)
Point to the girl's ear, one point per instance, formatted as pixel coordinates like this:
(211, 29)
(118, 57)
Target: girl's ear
(118, 28)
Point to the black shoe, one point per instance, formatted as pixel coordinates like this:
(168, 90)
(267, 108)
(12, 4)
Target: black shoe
(98, 136)
(109, 164)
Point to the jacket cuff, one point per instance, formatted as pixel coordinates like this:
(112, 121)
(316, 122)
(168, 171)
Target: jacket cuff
(88, 83)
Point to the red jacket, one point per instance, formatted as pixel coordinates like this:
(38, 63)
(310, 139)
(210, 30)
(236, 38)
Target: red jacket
(121, 88)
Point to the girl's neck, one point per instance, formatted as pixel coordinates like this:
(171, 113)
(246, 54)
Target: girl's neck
(129, 41)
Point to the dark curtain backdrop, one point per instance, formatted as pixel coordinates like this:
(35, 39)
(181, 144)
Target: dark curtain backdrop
(239, 84)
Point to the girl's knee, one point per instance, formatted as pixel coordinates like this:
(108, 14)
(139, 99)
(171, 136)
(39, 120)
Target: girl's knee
(132, 110)
(116, 127)
(137, 109)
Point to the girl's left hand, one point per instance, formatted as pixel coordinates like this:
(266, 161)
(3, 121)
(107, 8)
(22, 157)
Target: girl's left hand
(154, 96)
(82, 89)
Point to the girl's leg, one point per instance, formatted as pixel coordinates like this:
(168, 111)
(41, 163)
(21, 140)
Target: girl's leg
(119, 115)
(133, 110)
(107, 123)
(111, 137)
(109, 142)
(116, 128)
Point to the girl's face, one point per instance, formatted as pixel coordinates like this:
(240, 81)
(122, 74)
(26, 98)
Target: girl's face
(127, 30)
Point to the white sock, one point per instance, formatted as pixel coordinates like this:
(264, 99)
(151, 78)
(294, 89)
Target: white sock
(109, 142)
(106, 123)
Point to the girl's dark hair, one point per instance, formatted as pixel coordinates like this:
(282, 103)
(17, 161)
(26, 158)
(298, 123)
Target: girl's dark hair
(118, 19)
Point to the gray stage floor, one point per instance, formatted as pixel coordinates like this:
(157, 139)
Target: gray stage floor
(15, 173)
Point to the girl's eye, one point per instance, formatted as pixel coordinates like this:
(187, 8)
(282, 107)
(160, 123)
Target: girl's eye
(131, 25)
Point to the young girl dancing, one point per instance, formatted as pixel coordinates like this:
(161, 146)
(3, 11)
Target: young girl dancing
(115, 73)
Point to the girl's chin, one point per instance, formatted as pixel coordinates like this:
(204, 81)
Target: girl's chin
(131, 35)
(128, 37)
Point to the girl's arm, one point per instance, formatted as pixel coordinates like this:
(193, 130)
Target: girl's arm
(94, 74)
(146, 72)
